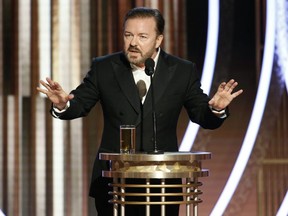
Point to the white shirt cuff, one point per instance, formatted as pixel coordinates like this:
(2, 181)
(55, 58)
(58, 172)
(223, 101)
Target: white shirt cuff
(56, 112)
(219, 113)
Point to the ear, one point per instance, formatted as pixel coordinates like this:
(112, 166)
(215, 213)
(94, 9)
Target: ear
(159, 40)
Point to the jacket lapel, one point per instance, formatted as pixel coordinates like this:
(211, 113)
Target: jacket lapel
(126, 82)
(162, 77)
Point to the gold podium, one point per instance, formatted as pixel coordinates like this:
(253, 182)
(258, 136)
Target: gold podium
(184, 165)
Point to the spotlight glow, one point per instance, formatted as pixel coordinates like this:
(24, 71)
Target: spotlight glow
(208, 68)
(282, 38)
(283, 210)
(257, 114)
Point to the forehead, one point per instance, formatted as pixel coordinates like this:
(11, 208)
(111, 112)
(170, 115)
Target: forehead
(140, 25)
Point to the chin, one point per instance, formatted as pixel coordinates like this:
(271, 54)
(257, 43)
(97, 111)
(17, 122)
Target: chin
(134, 60)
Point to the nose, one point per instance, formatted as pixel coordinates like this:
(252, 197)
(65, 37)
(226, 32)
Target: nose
(133, 41)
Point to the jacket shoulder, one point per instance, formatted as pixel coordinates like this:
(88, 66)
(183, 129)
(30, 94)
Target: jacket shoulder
(116, 57)
(172, 59)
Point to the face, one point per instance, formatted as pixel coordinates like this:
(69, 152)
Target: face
(140, 40)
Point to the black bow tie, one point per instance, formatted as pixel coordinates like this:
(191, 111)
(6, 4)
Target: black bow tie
(142, 90)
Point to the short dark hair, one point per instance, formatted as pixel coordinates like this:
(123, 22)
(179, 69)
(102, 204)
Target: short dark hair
(145, 12)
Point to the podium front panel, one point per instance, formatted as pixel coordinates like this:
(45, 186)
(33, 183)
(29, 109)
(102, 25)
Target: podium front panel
(170, 165)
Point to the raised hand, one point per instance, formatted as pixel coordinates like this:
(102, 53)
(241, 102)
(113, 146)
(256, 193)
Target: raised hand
(55, 93)
(224, 95)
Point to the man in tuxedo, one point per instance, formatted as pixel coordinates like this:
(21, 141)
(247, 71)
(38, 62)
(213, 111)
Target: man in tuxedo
(113, 81)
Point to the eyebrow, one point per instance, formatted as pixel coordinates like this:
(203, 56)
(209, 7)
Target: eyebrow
(142, 33)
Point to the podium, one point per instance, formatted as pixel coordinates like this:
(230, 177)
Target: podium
(184, 165)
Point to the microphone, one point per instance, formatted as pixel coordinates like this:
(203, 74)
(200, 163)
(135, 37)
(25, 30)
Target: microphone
(149, 70)
(149, 66)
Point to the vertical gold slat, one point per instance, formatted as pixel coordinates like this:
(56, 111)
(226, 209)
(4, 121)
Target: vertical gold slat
(76, 167)
(49, 160)
(85, 38)
(34, 77)
(266, 178)
(110, 25)
(260, 190)
(141, 3)
(167, 42)
(161, 6)
(284, 144)
(85, 63)
(67, 169)
(173, 27)
(2, 198)
(181, 41)
(24, 83)
(161, 9)
(75, 43)
(55, 76)
(122, 10)
(43, 134)
(85, 167)
(277, 170)
(274, 186)
(76, 125)
(93, 28)
(268, 193)
(4, 152)
(55, 37)
(100, 27)
(15, 70)
(40, 157)
(11, 150)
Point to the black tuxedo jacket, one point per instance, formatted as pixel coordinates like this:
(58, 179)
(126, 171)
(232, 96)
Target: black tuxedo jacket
(110, 81)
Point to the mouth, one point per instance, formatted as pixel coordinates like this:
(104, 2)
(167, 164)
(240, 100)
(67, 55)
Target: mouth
(134, 50)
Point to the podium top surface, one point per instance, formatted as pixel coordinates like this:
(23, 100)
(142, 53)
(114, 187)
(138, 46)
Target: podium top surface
(166, 156)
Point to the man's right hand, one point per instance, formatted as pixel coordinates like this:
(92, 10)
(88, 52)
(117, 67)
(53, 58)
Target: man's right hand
(55, 93)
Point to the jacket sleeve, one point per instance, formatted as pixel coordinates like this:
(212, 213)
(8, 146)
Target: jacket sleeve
(196, 103)
(86, 95)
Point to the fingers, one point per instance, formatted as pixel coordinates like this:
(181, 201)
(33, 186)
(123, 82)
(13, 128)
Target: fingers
(230, 86)
(236, 94)
(224, 95)
(222, 86)
(43, 91)
(211, 102)
(46, 85)
(52, 85)
(70, 96)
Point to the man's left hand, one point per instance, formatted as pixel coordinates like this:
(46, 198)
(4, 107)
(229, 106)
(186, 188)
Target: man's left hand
(224, 95)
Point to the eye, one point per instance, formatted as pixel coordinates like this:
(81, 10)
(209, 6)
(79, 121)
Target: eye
(128, 35)
(143, 37)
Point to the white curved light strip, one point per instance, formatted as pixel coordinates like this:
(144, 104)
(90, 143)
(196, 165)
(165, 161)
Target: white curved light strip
(257, 114)
(282, 38)
(283, 210)
(208, 68)
(1, 213)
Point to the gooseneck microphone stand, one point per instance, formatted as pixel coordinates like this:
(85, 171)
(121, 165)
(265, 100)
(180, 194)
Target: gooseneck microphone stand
(149, 70)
